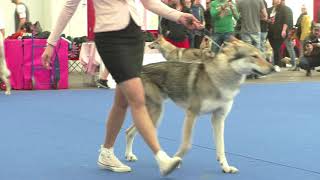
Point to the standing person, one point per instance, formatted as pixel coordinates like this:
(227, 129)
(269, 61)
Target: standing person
(207, 16)
(174, 32)
(198, 11)
(303, 26)
(102, 80)
(120, 43)
(277, 30)
(264, 30)
(187, 3)
(290, 36)
(21, 14)
(251, 12)
(222, 14)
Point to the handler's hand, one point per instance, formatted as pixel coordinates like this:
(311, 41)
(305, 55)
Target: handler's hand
(46, 56)
(189, 21)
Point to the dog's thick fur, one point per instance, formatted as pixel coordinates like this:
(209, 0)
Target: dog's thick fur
(172, 53)
(268, 52)
(200, 88)
(4, 71)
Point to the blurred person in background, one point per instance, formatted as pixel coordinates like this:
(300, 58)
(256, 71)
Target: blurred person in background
(303, 28)
(223, 13)
(21, 15)
(251, 13)
(198, 11)
(207, 16)
(175, 33)
(289, 39)
(278, 19)
(311, 54)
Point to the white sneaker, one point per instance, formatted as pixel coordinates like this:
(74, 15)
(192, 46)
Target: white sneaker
(107, 160)
(166, 163)
(277, 68)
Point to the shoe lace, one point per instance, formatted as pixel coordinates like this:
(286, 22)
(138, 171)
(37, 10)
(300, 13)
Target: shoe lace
(112, 158)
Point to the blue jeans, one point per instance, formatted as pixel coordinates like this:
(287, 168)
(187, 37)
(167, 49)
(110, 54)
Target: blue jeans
(252, 38)
(307, 63)
(263, 40)
(218, 39)
(290, 49)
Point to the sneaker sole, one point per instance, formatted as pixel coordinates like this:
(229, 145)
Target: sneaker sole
(101, 86)
(112, 168)
(172, 168)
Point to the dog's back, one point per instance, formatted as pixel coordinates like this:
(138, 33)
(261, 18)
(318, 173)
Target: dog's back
(172, 53)
(187, 84)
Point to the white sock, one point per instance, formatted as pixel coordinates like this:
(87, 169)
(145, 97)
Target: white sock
(106, 149)
(161, 155)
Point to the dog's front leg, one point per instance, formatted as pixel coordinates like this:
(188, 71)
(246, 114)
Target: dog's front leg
(218, 118)
(187, 134)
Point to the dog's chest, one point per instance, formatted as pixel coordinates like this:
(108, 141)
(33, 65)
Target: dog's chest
(210, 104)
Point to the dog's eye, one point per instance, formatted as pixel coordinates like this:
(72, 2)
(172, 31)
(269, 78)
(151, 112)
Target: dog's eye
(255, 56)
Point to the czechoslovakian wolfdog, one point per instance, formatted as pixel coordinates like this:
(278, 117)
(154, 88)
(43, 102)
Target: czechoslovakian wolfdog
(172, 53)
(4, 71)
(200, 88)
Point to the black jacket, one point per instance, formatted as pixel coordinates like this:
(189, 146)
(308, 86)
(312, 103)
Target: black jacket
(281, 18)
(174, 31)
(264, 24)
(316, 50)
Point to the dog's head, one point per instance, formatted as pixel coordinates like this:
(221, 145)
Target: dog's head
(206, 43)
(244, 58)
(157, 43)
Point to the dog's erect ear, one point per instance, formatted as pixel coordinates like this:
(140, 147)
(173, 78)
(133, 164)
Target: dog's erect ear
(160, 37)
(233, 39)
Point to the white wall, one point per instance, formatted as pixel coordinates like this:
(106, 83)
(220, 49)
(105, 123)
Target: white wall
(46, 12)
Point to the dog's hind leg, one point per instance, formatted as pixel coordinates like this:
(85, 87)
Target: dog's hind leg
(8, 86)
(218, 119)
(187, 133)
(155, 111)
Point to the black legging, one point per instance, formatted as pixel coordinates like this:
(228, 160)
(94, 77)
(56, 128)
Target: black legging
(276, 45)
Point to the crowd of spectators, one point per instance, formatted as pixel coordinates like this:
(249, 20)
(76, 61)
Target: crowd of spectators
(254, 22)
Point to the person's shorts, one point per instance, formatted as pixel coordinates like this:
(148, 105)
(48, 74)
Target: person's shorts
(122, 51)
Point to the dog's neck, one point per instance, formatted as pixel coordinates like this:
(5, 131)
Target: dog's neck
(166, 48)
(224, 73)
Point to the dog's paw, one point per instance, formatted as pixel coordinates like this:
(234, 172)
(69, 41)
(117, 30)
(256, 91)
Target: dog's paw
(230, 169)
(7, 93)
(131, 157)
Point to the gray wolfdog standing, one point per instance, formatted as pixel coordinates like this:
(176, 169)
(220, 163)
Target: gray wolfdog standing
(200, 88)
(172, 53)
